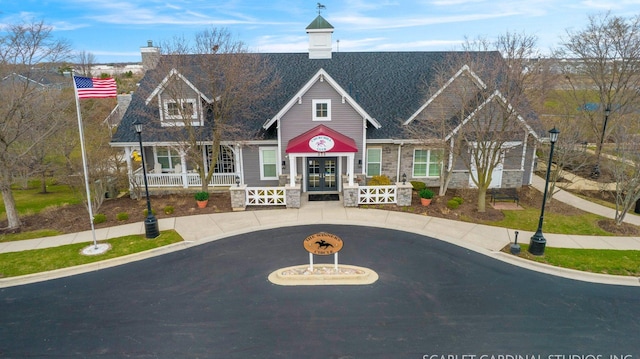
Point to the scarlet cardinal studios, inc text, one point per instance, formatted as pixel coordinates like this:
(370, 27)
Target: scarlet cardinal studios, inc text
(528, 356)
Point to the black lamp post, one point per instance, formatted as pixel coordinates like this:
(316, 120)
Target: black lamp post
(150, 223)
(596, 169)
(538, 242)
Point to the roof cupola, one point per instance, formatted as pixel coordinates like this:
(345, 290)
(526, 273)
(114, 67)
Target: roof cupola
(320, 31)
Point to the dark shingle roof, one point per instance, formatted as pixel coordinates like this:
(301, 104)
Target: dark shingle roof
(389, 86)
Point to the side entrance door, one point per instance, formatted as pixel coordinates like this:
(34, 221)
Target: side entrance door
(321, 174)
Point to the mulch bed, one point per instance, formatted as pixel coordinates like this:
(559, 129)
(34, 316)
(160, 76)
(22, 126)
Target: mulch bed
(74, 218)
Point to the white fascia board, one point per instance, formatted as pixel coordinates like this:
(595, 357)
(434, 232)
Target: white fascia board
(257, 142)
(495, 95)
(464, 68)
(323, 75)
(410, 141)
(166, 80)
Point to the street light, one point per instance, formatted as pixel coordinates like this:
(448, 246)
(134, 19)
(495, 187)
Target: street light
(538, 242)
(150, 223)
(596, 169)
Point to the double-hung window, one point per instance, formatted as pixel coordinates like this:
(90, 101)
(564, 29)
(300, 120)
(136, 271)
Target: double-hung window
(168, 158)
(321, 110)
(180, 110)
(268, 163)
(427, 163)
(374, 161)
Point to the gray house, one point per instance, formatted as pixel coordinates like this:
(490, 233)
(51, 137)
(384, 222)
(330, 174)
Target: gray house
(338, 119)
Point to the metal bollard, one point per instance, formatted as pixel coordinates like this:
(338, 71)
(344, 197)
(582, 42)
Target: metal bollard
(515, 247)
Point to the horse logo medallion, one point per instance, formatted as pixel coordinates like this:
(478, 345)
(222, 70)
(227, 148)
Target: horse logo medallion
(323, 243)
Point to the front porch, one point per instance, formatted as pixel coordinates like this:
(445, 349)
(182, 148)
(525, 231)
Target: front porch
(184, 180)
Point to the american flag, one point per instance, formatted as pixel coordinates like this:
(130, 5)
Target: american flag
(95, 88)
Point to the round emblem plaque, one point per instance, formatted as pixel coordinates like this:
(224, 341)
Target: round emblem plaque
(321, 143)
(323, 244)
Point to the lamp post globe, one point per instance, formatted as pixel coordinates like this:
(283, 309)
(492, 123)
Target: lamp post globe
(538, 243)
(151, 229)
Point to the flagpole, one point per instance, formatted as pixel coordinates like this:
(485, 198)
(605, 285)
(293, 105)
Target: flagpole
(84, 161)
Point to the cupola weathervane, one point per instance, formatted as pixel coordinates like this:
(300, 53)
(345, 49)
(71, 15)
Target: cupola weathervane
(320, 7)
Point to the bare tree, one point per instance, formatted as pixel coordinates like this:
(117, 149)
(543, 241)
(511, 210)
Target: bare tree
(104, 162)
(603, 66)
(228, 81)
(86, 60)
(482, 91)
(29, 113)
(625, 166)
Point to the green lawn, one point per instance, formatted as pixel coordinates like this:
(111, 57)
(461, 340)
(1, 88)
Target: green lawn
(41, 260)
(602, 261)
(32, 201)
(527, 220)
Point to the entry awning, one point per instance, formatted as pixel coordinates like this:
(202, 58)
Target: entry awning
(321, 139)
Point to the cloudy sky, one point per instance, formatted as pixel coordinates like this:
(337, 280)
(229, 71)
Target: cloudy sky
(114, 30)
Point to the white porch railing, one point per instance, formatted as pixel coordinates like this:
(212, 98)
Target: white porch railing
(377, 195)
(266, 196)
(184, 180)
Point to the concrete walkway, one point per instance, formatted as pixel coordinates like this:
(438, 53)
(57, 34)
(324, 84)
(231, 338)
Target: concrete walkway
(198, 229)
(588, 206)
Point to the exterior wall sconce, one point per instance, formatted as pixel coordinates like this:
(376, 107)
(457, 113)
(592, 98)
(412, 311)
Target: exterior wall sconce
(284, 164)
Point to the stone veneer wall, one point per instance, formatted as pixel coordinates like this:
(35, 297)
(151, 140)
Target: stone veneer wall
(459, 180)
(350, 195)
(512, 179)
(403, 194)
(238, 197)
(293, 196)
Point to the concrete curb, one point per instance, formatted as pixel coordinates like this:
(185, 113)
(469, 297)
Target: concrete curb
(466, 237)
(366, 276)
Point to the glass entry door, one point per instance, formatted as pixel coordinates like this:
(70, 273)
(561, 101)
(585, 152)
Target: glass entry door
(321, 174)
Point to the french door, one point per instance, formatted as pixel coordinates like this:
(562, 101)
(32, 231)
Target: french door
(321, 174)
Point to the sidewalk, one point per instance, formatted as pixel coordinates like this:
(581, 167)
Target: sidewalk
(199, 229)
(568, 198)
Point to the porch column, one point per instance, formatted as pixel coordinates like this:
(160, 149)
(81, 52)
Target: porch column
(183, 164)
(127, 156)
(293, 162)
(351, 166)
(238, 162)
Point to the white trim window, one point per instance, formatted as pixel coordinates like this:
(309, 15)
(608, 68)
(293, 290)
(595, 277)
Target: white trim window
(427, 163)
(374, 161)
(181, 110)
(268, 163)
(168, 158)
(321, 110)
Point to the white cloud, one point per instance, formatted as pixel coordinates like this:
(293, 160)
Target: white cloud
(363, 23)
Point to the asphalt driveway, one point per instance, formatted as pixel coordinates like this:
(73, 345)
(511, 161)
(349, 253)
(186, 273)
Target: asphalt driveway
(214, 301)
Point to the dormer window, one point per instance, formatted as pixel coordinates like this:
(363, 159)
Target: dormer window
(321, 110)
(180, 112)
(180, 109)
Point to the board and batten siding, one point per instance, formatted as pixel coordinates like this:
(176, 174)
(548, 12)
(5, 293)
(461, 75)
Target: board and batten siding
(344, 119)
